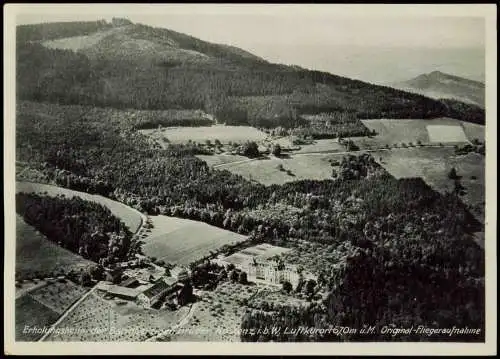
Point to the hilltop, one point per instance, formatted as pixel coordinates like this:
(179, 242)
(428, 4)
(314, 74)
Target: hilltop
(122, 64)
(440, 85)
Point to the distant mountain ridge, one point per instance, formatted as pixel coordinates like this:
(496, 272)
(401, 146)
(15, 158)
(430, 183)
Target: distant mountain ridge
(440, 85)
(126, 65)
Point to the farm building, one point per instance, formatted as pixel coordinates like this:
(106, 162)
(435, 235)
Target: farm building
(123, 292)
(157, 292)
(262, 264)
(130, 283)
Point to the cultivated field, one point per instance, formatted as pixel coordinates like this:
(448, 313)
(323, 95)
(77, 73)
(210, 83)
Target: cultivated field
(181, 241)
(412, 131)
(446, 134)
(58, 296)
(97, 319)
(43, 303)
(434, 164)
(31, 313)
(224, 134)
(473, 131)
(131, 217)
(221, 159)
(294, 168)
(219, 314)
(36, 256)
(329, 145)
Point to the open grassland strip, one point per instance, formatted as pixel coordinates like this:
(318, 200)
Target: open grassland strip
(24, 186)
(66, 313)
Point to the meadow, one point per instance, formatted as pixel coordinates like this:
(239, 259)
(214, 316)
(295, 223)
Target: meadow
(225, 134)
(434, 165)
(474, 131)
(328, 145)
(279, 170)
(221, 159)
(392, 131)
(37, 257)
(182, 241)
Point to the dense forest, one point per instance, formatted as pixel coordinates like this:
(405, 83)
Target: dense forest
(410, 255)
(405, 251)
(84, 227)
(235, 86)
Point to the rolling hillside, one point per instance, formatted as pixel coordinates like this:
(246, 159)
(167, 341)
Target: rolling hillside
(121, 64)
(439, 85)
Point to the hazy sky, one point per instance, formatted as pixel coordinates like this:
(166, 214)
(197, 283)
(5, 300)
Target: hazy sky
(320, 37)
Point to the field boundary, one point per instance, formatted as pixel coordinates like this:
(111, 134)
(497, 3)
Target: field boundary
(66, 313)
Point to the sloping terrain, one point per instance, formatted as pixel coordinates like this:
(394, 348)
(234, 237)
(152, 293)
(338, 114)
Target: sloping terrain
(132, 65)
(38, 256)
(440, 85)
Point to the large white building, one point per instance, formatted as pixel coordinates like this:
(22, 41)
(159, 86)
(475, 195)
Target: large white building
(262, 264)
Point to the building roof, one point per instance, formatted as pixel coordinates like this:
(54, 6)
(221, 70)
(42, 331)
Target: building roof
(129, 282)
(177, 270)
(259, 252)
(123, 291)
(102, 285)
(170, 280)
(156, 289)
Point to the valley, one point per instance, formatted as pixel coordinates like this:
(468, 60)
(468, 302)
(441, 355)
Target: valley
(173, 189)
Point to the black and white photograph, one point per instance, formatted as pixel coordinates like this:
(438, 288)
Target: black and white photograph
(257, 176)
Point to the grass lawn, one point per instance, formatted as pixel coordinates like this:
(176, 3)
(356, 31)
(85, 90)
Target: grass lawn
(222, 133)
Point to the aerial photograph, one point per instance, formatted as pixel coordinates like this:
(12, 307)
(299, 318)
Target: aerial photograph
(243, 177)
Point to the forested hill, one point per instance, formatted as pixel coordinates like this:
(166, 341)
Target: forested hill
(121, 64)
